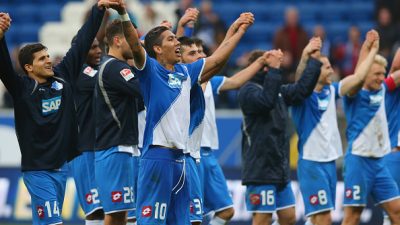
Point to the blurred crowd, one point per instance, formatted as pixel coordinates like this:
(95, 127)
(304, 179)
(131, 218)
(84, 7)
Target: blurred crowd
(291, 38)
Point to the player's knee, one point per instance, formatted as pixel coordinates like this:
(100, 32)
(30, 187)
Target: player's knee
(96, 215)
(323, 219)
(290, 220)
(226, 214)
(394, 216)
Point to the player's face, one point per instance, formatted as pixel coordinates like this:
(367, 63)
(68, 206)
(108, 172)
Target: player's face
(41, 65)
(326, 72)
(94, 54)
(190, 53)
(170, 48)
(375, 77)
(201, 51)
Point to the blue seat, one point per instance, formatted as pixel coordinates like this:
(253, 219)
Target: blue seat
(333, 12)
(337, 30)
(26, 13)
(49, 12)
(26, 32)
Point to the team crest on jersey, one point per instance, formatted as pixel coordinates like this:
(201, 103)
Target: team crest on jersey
(376, 99)
(146, 211)
(323, 103)
(314, 199)
(175, 79)
(50, 106)
(255, 199)
(57, 85)
(127, 74)
(89, 71)
(116, 196)
(89, 198)
(40, 211)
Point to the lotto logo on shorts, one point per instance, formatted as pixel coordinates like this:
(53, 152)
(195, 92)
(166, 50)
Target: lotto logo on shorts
(191, 207)
(40, 211)
(349, 193)
(255, 199)
(146, 211)
(89, 199)
(116, 196)
(314, 199)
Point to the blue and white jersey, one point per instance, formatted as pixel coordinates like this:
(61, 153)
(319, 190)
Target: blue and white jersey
(141, 127)
(166, 95)
(367, 128)
(197, 108)
(210, 132)
(316, 124)
(392, 102)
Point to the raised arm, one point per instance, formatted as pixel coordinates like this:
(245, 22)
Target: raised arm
(254, 98)
(132, 37)
(313, 45)
(187, 20)
(241, 77)
(71, 64)
(7, 73)
(366, 46)
(353, 83)
(396, 62)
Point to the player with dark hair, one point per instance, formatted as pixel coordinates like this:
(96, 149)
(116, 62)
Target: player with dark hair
(45, 117)
(166, 86)
(265, 144)
(319, 139)
(82, 166)
(115, 109)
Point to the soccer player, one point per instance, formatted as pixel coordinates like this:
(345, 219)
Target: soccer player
(45, 115)
(115, 108)
(392, 101)
(367, 134)
(166, 86)
(319, 141)
(265, 144)
(82, 166)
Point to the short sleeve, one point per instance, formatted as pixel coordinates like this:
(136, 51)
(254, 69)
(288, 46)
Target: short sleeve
(337, 86)
(195, 70)
(216, 83)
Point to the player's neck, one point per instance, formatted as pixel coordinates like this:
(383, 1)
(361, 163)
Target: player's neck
(165, 64)
(38, 79)
(116, 54)
(319, 87)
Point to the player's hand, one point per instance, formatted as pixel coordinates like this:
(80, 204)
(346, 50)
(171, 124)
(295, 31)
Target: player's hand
(274, 58)
(102, 4)
(120, 8)
(370, 37)
(191, 14)
(313, 47)
(166, 23)
(244, 21)
(5, 23)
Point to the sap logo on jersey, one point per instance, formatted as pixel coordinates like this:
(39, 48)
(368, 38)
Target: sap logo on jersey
(50, 106)
(146, 211)
(116, 196)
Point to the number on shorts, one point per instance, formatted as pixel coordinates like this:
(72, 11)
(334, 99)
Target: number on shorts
(56, 211)
(267, 197)
(323, 200)
(356, 192)
(128, 195)
(95, 195)
(160, 210)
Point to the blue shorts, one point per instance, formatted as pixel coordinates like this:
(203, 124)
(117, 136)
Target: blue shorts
(269, 198)
(196, 195)
(317, 185)
(392, 161)
(163, 196)
(114, 178)
(135, 159)
(215, 191)
(47, 190)
(82, 168)
(363, 176)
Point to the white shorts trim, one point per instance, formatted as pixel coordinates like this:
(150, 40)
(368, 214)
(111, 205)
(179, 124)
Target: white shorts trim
(56, 223)
(354, 205)
(319, 211)
(387, 200)
(223, 208)
(260, 211)
(285, 207)
(119, 210)
(94, 210)
(194, 221)
(131, 217)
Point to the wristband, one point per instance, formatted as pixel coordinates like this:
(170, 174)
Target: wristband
(125, 17)
(390, 83)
